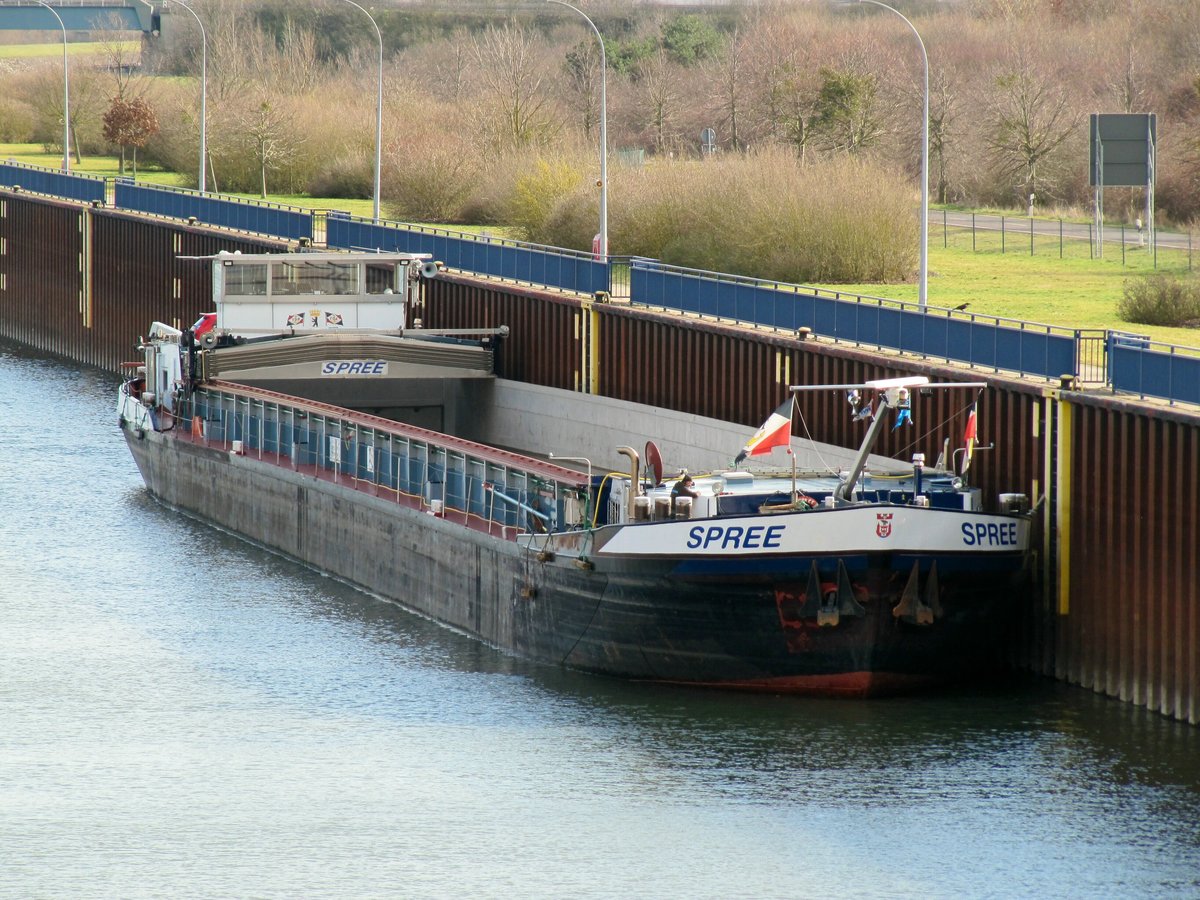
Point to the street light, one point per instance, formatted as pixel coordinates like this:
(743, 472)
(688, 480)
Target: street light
(378, 107)
(603, 249)
(203, 95)
(66, 91)
(923, 278)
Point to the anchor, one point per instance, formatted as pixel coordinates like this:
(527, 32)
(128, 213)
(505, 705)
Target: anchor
(828, 608)
(914, 609)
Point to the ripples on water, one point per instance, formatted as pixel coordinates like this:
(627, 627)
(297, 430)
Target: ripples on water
(184, 714)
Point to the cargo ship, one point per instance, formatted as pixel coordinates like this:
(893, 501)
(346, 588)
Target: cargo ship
(307, 415)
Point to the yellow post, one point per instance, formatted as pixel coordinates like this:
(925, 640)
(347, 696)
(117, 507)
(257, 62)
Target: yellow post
(594, 350)
(1063, 502)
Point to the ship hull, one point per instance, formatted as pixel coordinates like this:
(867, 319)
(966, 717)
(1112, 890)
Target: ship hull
(851, 623)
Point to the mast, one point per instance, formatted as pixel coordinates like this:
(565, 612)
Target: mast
(892, 391)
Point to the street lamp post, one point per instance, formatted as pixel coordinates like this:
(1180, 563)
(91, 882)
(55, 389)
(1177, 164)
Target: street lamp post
(378, 107)
(603, 249)
(203, 96)
(923, 278)
(66, 166)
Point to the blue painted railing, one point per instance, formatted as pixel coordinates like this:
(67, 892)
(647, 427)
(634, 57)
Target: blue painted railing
(84, 188)
(1149, 369)
(1001, 344)
(568, 270)
(1133, 364)
(242, 215)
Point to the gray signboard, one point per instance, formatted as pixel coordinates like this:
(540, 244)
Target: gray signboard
(1122, 149)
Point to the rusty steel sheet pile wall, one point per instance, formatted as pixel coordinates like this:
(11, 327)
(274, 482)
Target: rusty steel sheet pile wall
(41, 253)
(142, 275)
(545, 341)
(84, 283)
(1131, 626)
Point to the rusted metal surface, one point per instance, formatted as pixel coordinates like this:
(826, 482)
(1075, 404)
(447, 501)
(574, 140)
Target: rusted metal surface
(84, 283)
(1133, 629)
(1126, 624)
(545, 341)
(40, 279)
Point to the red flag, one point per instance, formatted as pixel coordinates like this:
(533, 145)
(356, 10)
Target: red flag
(775, 432)
(969, 438)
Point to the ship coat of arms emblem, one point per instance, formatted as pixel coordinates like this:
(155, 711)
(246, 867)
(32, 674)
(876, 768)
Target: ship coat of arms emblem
(883, 524)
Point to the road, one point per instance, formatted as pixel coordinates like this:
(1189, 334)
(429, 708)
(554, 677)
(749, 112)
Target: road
(1050, 228)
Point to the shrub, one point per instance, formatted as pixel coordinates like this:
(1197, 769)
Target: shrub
(537, 193)
(429, 177)
(17, 121)
(843, 220)
(1161, 300)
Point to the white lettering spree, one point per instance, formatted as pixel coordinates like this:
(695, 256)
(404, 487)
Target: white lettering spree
(355, 367)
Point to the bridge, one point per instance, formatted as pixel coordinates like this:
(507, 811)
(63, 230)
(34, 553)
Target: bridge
(81, 15)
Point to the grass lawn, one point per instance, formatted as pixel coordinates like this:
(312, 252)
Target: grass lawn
(78, 48)
(1073, 292)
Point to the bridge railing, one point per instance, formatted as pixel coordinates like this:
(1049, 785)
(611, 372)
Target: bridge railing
(1026, 348)
(1138, 365)
(84, 188)
(240, 214)
(568, 270)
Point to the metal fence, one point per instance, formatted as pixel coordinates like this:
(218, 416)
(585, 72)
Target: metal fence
(555, 267)
(254, 216)
(84, 188)
(1147, 368)
(1045, 351)
(1132, 246)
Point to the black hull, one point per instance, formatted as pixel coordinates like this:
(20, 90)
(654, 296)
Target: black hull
(883, 631)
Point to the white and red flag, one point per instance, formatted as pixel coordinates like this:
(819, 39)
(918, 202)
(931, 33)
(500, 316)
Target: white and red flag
(775, 432)
(969, 439)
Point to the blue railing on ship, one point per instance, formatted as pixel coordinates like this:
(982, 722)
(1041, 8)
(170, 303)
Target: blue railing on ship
(1140, 366)
(242, 215)
(84, 188)
(568, 270)
(378, 456)
(986, 341)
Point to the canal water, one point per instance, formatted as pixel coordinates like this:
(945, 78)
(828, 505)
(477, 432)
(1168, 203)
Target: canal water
(183, 714)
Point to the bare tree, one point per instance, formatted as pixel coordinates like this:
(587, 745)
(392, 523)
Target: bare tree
(121, 57)
(944, 111)
(512, 75)
(729, 84)
(582, 66)
(296, 67)
(659, 94)
(1031, 116)
(270, 141)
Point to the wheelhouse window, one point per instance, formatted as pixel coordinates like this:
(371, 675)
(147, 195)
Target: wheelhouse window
(246, 280)
(381, 279)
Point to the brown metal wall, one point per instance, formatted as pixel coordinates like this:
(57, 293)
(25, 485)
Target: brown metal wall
(132, 266)
(40, 281)
(545, 342)
(141, 275)
(1132, 629)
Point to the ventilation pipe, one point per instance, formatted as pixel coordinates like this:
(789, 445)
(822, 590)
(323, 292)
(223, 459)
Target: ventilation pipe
(635, 473)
